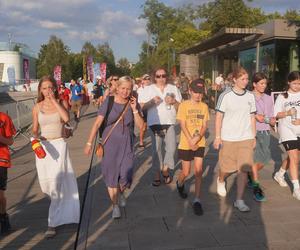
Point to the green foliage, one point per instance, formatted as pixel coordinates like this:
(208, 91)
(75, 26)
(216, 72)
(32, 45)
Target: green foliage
(76, 65)
(229, 13)
(55, 52)
(170, 30)
(124, 67)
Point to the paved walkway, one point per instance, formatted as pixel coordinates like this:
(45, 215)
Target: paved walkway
(154, 218)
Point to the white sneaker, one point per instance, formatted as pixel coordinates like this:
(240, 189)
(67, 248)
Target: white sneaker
(296, 193)
(116, 213)
(122, 200)
(280, 180)
(240, 205)
(221, 189)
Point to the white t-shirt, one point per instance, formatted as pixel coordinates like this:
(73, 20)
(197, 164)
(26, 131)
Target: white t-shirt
(287, 131)
(237, 110)
(160, 114)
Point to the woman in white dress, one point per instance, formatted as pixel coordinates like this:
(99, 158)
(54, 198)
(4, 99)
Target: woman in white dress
(55, 172)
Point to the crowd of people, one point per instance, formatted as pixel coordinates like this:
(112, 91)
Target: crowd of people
(244, 120)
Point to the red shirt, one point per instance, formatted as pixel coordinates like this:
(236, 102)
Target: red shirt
(65, 94)
(7, 130)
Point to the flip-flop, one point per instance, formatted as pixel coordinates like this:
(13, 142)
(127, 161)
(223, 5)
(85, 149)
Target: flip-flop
(167, 179)
(156, 183)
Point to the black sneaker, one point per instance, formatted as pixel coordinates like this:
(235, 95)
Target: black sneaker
(181, 191)
(5, 225)
(197, 208)
(258, 194)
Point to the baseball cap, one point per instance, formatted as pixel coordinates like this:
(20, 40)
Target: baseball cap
(98, 77)
(146, 77)
(197, 85)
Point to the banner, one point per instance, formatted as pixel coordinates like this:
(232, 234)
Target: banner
(1, 71)
(11, 73)
(103, 71)
(57, 74)
(84, 68)
(26, 70)
(96, 71)
(90, 68)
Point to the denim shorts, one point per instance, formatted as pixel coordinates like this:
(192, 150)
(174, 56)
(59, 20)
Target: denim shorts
(262, 153)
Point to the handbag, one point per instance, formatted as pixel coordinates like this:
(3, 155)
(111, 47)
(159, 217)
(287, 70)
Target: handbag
(100, 147)
(67, 130)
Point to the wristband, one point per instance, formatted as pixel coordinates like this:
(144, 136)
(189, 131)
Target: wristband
(89, 144)
(135, 112)
(218, 137)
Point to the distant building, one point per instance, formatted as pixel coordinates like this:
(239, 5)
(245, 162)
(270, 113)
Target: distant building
(17, 64)
(273, 48)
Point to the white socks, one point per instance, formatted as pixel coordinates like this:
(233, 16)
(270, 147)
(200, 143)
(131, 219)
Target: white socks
(281, 172)
(295, 184)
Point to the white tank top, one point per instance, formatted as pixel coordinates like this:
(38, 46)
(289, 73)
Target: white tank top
(50, 125)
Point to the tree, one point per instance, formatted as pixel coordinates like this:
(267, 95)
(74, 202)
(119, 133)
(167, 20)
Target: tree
(55, 52)
(106, 54)
(124, 66)
(76, 65)
(229, 13)
(170, 30)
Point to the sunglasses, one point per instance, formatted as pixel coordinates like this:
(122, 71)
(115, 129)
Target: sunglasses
(115, 79)
(161, 76)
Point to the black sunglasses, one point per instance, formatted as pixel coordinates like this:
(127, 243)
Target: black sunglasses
(115, 79)
(161, 76)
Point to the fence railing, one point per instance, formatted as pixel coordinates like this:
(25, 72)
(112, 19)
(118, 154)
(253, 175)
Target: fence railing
(21, 114)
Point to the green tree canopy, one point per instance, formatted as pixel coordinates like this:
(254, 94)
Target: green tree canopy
(55, 52)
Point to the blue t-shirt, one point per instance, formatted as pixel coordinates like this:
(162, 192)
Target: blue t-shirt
(76, 92)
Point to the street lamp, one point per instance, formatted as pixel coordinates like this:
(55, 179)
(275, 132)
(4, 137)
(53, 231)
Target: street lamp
(173, 57)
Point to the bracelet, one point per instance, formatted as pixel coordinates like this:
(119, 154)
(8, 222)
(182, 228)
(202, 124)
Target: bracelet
(135, 112)
(218, 137)
(89, 144)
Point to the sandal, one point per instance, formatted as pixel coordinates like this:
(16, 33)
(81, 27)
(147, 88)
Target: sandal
(167, 179)
(156, 183)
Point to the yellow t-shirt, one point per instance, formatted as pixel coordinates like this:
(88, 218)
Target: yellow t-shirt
(194, 115)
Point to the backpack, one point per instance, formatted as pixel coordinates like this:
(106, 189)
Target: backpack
(109, 108)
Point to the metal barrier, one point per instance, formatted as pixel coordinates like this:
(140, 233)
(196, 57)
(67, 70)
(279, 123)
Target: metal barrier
(21, 114)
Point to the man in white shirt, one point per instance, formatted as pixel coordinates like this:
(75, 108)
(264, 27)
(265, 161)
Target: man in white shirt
(161, 102)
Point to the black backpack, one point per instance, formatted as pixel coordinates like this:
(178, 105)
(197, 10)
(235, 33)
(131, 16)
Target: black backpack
(109, 108)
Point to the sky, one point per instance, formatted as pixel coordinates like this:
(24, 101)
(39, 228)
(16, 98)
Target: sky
(98, 21)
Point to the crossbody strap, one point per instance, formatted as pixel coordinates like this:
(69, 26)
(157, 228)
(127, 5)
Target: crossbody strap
(116, 123)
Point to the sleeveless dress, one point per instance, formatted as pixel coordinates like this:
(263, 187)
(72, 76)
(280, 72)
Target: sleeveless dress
(55, 173)
(117, 162)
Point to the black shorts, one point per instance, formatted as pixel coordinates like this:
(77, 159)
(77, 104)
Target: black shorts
(3, 178)
(290, 145)
(189, 155)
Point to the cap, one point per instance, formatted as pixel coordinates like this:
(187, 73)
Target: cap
(197, 85)
(146, 77)
(98, 77)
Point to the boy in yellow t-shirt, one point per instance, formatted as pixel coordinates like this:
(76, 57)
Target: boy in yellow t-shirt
(192, 115)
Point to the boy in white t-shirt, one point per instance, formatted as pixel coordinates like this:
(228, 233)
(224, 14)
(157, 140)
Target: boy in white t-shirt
(287, 110)
(235, 131)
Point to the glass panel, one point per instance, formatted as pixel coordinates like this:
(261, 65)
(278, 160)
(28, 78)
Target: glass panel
(287, 60)
(266, 61)
(248, 61)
